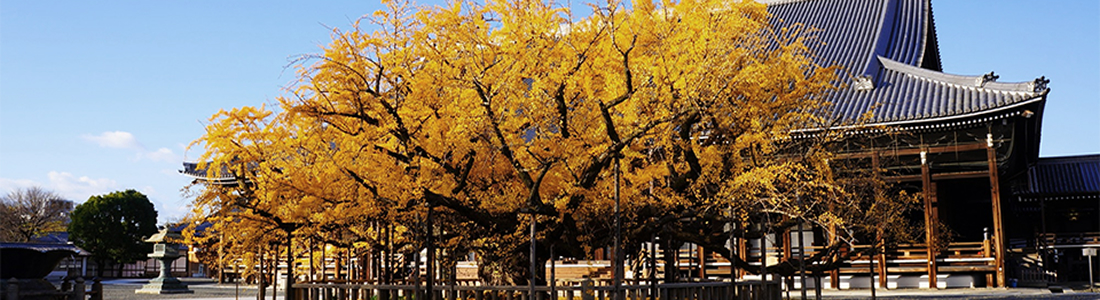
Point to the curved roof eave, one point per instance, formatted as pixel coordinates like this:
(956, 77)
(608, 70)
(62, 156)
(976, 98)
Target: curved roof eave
(998, 97)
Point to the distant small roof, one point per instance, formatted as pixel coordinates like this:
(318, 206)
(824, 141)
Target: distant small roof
(191, 169)
(46, 247)
(1067, 177)
(60, 237)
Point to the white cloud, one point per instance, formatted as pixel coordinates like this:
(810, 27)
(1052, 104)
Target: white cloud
(115, 139)
(162, 154)
(7, 185)
(79, 188)
(66, 184)
(126, 140)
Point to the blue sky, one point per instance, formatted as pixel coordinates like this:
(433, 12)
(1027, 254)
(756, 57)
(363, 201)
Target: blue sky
(98, 96)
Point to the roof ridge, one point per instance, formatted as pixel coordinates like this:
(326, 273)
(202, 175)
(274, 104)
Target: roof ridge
(778, 2)
(984, 82)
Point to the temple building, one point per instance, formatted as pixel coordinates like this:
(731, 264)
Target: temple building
(971, 148)
(965, 137)
(1056, 212)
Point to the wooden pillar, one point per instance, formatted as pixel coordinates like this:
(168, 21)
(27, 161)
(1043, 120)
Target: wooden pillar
(786, 240)
(988, 253)
(742, 250)
(339, 262)
(998, 230)
(702, 262)
(929, 217)
(834, 274)
(875, 167)
(221, 257)
(882, 281)
(312, 261)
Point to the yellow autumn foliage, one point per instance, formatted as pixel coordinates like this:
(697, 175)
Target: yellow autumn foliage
(501, 112)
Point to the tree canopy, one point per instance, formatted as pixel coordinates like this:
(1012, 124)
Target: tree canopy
(29, 213)
(113, 226)
(497, 114)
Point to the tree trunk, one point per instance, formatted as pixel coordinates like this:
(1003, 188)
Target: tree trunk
(871, 263)
(288, 292)
(671, 268)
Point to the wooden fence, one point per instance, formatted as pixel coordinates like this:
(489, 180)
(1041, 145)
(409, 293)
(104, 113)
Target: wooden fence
(586, 290)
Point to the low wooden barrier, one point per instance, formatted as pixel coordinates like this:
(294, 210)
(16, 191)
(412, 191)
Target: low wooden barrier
(586, 290)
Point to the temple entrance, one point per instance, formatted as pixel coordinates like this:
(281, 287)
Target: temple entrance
(964, 206)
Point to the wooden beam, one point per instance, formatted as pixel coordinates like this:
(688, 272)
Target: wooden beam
(904, 178)
(938, 176)
(998, 230)
(914, 151)
(929, 219)
(959, 175)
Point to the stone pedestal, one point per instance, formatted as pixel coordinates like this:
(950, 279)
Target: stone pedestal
(170, 285)
(165, 283)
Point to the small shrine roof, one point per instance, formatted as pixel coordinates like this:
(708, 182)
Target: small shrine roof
(191, 169)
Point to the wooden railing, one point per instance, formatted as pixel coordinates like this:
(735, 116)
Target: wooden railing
(1076, 238)
(586, 290)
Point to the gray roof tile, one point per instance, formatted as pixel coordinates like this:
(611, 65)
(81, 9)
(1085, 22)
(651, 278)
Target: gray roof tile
(887, 40)
(1062, 177)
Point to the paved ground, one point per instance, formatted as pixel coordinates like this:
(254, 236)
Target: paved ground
(975, 293)
(206, 289)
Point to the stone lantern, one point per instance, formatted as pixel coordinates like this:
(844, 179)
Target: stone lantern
(164, 250)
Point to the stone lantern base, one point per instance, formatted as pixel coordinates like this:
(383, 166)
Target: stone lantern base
(165, 283)
(162, 285)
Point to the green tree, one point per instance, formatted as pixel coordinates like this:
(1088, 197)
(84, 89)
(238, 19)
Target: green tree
(32, 212)
(112, 227)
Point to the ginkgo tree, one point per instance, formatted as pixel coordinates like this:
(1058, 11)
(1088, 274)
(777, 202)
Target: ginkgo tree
(457, 126)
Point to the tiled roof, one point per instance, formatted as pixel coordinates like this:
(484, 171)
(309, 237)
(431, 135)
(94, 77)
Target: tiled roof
(191, 169)
(45, 247)
(1063, 177)
(905, 94)
(892, 44)
(60, 237)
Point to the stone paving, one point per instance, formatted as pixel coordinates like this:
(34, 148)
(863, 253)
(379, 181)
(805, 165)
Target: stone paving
(961, 293)
(206, 289)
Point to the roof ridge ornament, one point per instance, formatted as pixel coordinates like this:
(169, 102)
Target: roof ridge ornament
(987, 78)
(1039, 84)
(864, 83)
